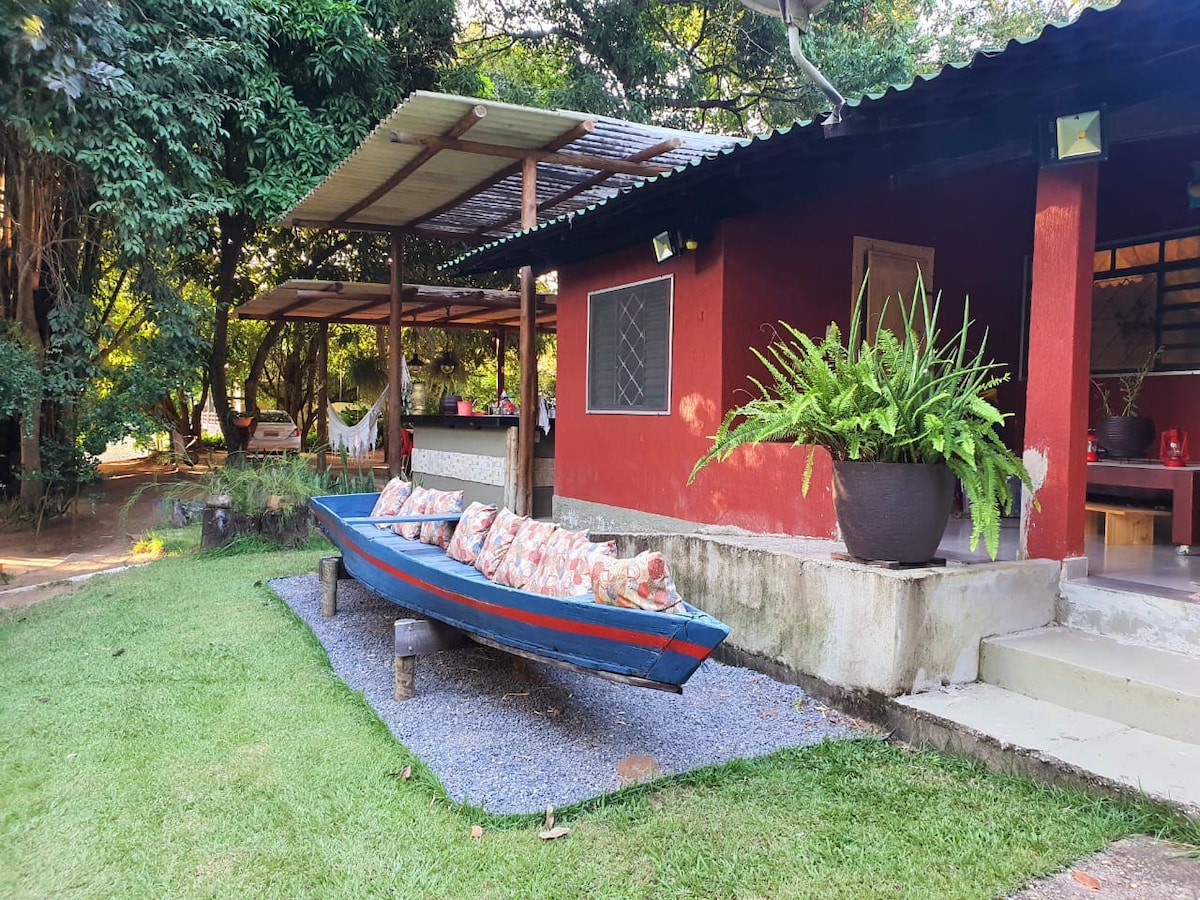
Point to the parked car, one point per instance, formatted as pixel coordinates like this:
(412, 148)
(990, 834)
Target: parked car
(273, 431)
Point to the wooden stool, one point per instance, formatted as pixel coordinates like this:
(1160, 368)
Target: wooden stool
(1128, 525)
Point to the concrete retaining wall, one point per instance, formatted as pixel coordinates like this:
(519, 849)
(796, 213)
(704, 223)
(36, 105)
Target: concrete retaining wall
(854, 626)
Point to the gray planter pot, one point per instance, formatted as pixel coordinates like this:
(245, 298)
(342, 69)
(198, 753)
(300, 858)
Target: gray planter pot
(892, 511)
(1125, 436)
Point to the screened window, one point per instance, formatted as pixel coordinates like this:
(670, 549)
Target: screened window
(1147, 295)
(629, 348)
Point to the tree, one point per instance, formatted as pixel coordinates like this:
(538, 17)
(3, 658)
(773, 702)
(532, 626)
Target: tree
(106, 115)
(332, 70)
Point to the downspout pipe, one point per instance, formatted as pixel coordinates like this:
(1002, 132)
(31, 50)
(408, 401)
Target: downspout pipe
(814, 74)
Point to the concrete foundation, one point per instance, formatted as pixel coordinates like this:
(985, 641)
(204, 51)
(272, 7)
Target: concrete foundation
(853, 626)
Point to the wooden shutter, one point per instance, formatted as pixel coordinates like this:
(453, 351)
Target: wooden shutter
(893, 271)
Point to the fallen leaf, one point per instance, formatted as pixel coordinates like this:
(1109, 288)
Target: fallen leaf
(406, 773)
(118, 651)
(476, 831)
(72, 755)
(1086, 880)
(549, 816)
(560, 831)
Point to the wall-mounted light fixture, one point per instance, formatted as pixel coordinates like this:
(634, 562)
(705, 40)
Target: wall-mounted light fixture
(1079, 137)
(669, 244)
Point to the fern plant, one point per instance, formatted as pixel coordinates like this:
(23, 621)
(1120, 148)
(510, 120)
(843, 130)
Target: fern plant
(907, 398)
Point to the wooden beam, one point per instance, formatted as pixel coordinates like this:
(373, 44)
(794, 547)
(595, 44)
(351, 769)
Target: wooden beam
(641, 156)
(581, 130)
(322, 394)
(466, 122)
(443, 234)
(561, 157)
(528, 350)
(395, 352)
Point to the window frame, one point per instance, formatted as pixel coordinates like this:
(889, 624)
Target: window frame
(1158, 269)
(669, 349)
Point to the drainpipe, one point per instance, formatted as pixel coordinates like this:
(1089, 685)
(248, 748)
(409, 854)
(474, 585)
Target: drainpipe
(814, 74)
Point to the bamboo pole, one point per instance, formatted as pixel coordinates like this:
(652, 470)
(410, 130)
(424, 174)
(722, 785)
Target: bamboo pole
(322, 395)
(528, 350)
(395, 353)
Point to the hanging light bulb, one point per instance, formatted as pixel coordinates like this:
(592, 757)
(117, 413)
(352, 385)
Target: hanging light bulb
(414, 361)
(447, 362)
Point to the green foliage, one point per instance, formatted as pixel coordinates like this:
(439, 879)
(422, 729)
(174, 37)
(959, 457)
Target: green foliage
(1129, 386)
(907, 398)
(20, 377)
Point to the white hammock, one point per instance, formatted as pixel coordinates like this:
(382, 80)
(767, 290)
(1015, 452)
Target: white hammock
(360, 438)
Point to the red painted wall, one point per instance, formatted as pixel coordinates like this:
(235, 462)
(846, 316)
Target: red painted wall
(796, 265)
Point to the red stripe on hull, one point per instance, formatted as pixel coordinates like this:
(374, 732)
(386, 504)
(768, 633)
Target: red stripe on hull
(605, 632)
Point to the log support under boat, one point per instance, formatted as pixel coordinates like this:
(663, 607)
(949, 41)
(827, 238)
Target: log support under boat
(330, 569)
(420, 637)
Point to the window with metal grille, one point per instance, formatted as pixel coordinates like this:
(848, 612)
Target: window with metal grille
(1147, 295)
(629, 348)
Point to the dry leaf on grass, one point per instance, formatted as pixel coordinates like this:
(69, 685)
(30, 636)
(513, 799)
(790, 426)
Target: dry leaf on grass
(560, 831)
(656, 802)
(549, 816)
(1086, 880)
(476, 831)
(406, 773)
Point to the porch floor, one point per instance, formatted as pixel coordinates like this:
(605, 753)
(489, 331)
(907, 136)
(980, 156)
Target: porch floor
(1155, 569)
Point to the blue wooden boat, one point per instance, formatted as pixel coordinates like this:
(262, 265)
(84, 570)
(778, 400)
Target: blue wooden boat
(651, 649)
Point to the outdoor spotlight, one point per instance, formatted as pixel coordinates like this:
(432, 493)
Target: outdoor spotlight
(1078, 137)
(664, 246)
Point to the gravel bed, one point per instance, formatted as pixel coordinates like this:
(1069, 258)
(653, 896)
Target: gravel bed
(512, 741)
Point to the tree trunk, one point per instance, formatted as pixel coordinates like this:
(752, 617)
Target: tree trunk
(259, 362)
(33, 202)
(234, 229)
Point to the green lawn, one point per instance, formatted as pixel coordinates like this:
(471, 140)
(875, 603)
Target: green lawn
(175, 731)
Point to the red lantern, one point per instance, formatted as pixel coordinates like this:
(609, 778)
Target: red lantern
(1093, 451)
(1173, 447)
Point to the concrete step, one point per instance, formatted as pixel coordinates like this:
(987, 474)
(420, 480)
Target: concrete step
(1165, 618)
(1012, 732)
(1153, 690)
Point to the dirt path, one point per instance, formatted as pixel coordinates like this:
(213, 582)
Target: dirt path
(90, 540)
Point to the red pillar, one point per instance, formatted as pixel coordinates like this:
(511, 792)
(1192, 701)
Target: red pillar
(1060, 337)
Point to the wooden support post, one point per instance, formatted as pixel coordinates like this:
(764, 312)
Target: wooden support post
(330, 569)
(395, 354)
(419, 637)
(528, 350)
(500, 346)
(406, 675)
(322, 395)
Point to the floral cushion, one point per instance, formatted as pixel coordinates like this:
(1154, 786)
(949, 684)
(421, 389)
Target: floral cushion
(413, 506)
(643, 582)
(439, 503)
(577, 578)
(471, 532)
(391, 498)
(528, 547)
(499, 539)
(550, 572)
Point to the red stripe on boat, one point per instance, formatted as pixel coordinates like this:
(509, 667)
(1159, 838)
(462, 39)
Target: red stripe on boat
(607, 632)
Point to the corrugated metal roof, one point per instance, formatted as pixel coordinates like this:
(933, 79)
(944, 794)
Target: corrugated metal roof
(449, 167)
(368, 303)
(987, 107)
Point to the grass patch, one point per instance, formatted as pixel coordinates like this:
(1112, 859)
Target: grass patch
(175, 731)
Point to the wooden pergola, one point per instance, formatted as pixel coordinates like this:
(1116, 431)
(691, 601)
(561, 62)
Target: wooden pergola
(473, 171)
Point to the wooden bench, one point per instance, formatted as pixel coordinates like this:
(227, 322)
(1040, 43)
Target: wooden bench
(1123, 524)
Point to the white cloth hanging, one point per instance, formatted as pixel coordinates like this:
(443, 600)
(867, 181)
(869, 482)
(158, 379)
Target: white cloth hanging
(360, 438)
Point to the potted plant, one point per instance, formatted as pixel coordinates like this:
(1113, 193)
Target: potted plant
(902, 415)
(1121, 430)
